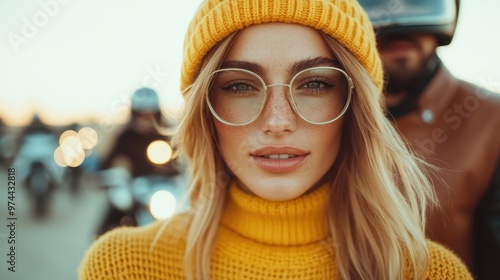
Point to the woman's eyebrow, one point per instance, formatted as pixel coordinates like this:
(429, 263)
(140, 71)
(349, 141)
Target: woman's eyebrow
(314, 62)
(296, 67)
(247, 65)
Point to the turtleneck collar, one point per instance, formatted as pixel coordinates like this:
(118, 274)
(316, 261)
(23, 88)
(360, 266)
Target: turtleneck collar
(297, 221)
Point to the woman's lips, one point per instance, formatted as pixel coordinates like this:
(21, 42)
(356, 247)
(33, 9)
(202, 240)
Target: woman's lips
(279, 159)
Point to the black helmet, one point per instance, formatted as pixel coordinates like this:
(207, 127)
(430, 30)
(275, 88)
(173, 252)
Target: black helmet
(438, 17)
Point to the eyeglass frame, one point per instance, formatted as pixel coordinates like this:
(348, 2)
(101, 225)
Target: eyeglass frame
(291, 101)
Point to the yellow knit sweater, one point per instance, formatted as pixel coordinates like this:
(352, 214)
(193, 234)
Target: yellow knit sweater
(257, 239)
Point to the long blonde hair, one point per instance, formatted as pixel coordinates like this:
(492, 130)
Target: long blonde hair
(377, 183)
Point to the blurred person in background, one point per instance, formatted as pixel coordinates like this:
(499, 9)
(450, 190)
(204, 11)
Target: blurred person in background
(144, 126)
(35, 164)
(452, 124)
(41, 185)
(36, 126)
(37, 142)
(130, 152)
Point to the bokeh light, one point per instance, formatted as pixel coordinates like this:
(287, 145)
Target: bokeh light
(73, 153)
(75, 147)
(66, 134)
(159, 152)
(88, 137)
(59, 157)
(162, 204)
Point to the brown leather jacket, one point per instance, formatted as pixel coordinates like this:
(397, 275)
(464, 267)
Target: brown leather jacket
(456, 126)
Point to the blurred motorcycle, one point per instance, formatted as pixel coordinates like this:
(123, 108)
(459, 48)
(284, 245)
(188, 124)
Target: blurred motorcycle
(36, 168)
(41, 186)
(140, 200)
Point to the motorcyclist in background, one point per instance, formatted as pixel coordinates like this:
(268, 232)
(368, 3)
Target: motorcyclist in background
(142, 129)
(35, 165)
(130, 151)
(452, 124)
(36, 142)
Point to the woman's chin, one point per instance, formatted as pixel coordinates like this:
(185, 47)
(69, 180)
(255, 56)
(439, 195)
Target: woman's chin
(275, 189)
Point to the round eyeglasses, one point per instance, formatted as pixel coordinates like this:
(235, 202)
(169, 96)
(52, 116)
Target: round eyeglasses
(319, 95)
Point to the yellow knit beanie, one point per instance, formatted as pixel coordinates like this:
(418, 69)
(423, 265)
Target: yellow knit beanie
(343, 20)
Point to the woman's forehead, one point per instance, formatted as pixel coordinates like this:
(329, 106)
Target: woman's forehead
(278, 45)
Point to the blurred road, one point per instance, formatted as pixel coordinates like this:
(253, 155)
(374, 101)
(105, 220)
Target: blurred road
(51, 248)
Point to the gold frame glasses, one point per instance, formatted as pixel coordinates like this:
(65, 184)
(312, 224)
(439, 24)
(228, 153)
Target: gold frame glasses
(290, 96)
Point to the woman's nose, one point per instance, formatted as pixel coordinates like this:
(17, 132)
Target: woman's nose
(278, 115)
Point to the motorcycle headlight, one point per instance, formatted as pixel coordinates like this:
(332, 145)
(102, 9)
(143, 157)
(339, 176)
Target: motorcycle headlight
(162, 204)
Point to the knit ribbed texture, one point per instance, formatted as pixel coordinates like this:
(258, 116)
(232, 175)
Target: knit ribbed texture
(241, 251)
(293, 222)
(343, 20)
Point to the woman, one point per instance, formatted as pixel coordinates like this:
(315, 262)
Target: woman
(297, 174)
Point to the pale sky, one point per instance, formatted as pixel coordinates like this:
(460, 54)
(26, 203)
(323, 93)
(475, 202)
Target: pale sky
(75, 60)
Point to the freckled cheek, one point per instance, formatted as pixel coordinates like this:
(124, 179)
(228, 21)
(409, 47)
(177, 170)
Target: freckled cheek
(233, 141)
(226, 112)
(329, 140)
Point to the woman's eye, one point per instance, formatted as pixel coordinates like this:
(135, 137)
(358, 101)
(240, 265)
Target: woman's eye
(239, 88)
(314, 85)
(317, 84)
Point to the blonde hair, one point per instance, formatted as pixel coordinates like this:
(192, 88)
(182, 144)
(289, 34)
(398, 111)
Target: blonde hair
(377, 183)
